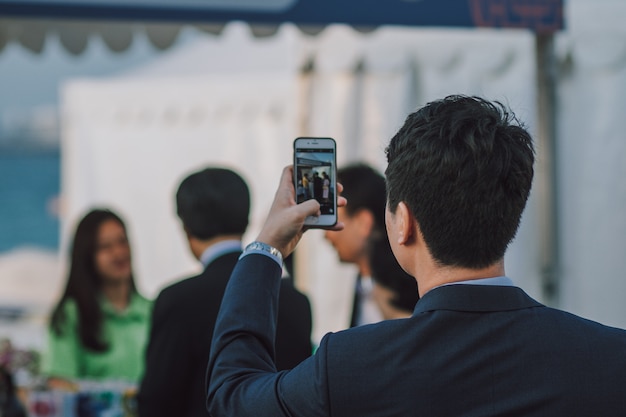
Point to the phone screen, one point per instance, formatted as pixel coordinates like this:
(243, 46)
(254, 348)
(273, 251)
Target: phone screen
(315, 177)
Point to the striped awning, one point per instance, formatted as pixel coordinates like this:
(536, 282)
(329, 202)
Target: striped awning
(28, 22)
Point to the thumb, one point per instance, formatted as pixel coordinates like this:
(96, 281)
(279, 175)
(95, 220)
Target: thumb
(308, 208)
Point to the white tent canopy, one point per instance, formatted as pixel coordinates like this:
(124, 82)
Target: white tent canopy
(240, 101)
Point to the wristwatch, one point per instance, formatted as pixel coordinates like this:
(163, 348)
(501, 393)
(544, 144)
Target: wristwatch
(264, 247)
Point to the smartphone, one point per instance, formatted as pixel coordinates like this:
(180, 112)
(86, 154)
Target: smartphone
(315, 176)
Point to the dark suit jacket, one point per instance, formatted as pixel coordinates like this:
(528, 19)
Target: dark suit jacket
(182, 326)
(468, 350)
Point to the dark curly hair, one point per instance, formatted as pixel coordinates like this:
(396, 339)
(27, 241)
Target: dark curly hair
(464, 167)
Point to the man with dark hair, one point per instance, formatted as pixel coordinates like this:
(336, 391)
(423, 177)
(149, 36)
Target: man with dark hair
(213, 206)
(364, 220)
(459, 174)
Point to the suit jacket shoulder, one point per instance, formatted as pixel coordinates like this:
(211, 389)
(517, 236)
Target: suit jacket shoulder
(495, 350)
(467, 350)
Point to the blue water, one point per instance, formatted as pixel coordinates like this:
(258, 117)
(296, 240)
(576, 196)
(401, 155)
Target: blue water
(29, 181)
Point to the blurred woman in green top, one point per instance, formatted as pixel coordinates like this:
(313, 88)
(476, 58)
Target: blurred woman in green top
(99, 327)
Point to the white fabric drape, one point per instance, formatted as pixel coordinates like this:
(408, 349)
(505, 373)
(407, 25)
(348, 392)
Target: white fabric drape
(127, 145)
(592, 163)
(127, 142)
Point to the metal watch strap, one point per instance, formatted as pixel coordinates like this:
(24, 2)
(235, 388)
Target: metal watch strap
(264, 247)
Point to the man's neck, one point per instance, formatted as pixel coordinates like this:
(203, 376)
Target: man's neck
(199, 246)
(431, 277)
(364, 267)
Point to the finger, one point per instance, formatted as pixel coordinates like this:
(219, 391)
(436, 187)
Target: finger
(341, 201)
(308, 208)
(285, 194)
(286, 179)
(287, 175)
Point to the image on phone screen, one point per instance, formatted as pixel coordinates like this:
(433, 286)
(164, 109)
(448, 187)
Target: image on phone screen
(315, 176)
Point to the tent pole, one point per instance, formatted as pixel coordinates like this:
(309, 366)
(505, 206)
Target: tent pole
(547, 167)
(301, 265)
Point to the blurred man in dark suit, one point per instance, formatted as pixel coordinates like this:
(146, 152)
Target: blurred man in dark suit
(213, 206)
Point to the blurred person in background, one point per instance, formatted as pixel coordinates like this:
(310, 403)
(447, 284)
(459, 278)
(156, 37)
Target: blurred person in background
(364, 220)
(394, 290)
(214, 206)
(99, 327)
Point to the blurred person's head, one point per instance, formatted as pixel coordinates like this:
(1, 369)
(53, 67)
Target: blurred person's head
(213, 203)
(100, 256)
(100, 249)
(363, 216)
(459, 174)
(394, 290)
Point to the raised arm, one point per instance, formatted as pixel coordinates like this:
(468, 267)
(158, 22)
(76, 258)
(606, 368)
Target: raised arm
(242, 376)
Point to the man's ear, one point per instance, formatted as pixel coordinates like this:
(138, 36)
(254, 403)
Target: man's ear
(187, 234)
(406, 225)
(365, 221)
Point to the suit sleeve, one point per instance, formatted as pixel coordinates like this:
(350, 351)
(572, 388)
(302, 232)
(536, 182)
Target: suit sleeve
(162, 391)
(243, 380)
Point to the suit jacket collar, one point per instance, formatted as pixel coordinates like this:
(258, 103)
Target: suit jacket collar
(218, 249)
(228, 259)
(475, 298)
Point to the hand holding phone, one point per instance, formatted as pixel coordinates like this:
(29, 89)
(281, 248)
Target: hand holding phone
(284, 224)
(315, 176)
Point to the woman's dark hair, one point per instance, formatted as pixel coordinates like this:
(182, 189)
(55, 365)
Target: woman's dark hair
(388, 273)
(84, 283)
